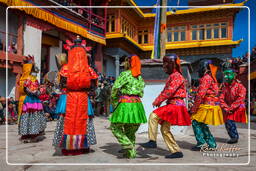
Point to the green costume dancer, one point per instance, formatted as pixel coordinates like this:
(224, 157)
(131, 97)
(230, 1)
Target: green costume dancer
(129, 112)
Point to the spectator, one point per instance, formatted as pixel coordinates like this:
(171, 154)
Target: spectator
(12, 113)
(107, 97)
(2, 106)
(49, 111)
(99, 99)
(12, 48)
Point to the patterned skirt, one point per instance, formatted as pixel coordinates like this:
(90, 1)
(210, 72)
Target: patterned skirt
(32, 123)
(91, 136)
(209, 114)
(32, 120)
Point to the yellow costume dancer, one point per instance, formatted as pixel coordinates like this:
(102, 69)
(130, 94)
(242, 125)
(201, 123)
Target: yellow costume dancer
(206, 110)
(32, 121)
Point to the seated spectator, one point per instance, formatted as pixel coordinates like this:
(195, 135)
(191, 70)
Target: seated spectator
(12, 113)
(49, 110)
(12, 48)
(2, 106)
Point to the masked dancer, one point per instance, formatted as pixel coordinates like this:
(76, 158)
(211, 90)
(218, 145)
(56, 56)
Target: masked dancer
(75, 140)
(232, 100)
(129, 112)
(206, 108)
(31, 119)
(174, 112)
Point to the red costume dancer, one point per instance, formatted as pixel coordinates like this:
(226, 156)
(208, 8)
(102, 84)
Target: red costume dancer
(174, 112)
(74, 140)
(232, 100)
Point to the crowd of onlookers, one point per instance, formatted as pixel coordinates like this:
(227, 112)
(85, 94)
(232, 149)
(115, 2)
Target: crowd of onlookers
(244, 58)
(101, 95)
(12, 48)
(12, 106)
(82, 11)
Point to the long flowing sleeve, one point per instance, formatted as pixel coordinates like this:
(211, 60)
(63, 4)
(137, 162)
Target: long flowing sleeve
(172, 85)
(203, 87)
(119, 83)
(223, 104)
(31, 89)
(241, 94)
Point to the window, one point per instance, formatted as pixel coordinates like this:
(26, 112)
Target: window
(177, 33)
(111, 23)
(183, 36)
(216, 33)
(127, 28)
(223, 32)
(208, 34)
(143, 37)
(194, 33)
(209, 31)
(201, 34)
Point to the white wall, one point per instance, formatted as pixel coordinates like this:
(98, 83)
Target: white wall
(151, 91)
(53, 52)
(33, 44)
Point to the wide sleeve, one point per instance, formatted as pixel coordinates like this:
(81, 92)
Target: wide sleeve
(241, 95)
(223, 104)
(204, 85)
(172, 85)
(28, 90)
(142, 86)
(119, 83)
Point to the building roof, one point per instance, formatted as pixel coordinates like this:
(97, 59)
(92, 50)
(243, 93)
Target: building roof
(186, 11)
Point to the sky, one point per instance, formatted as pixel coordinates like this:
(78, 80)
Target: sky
(240, 23)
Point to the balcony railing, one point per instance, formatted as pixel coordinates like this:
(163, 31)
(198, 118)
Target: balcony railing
(12, 42)
(94, 22)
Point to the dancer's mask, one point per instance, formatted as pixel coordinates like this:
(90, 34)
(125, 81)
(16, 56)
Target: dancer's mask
(229, 75)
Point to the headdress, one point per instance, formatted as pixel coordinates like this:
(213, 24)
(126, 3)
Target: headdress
(135, 65)
(176, 59)
(77, 42)
(207, 65)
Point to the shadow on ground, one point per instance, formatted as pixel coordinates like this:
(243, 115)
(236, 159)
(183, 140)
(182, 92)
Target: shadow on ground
(113, 148)
(185, 145)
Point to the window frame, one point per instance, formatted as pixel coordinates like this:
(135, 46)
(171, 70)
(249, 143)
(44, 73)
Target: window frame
(143, 33)
(127, 28)
(111, 22)
(211, 27)
(176, 29)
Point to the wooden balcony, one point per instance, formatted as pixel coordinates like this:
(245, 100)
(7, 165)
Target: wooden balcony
(14, 60)
(85, 16)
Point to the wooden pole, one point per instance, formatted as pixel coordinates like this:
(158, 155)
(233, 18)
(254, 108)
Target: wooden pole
(20, 36)
(163, 29)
